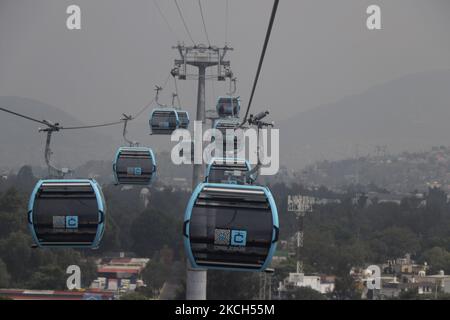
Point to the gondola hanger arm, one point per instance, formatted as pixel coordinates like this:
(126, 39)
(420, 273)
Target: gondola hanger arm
(257, 121)
(52, 169)
(125, 120)
(158, 89)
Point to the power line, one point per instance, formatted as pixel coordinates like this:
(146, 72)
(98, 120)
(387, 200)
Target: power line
(203, 20)
(184, 22)
(261, 59)
(165, 20)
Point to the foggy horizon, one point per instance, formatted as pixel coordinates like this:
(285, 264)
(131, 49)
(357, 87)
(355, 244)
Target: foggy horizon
(321, 52)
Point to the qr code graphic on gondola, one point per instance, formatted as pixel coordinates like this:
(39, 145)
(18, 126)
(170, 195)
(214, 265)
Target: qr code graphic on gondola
(134, 171)
(222, 237)
(59, 222)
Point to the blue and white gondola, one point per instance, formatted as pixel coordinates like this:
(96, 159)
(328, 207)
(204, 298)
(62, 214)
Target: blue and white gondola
(230, 227)
(134, 166)
(164, 121)
(183, 116)
(230, 140)
(228, 106)
(228, 170)
(67, 213)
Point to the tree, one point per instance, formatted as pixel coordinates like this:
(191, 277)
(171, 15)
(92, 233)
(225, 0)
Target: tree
(11, 200)
(25, 179)
(438, 259)
(48, 278)
(152, 230)
(16, 252)
(345, 289)
(155, 275)
(224, 285)
(394, 242)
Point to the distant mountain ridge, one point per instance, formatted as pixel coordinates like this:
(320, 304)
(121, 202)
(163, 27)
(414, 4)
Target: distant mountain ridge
(411, 113)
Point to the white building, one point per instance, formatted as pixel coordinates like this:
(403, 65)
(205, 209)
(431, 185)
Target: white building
(314, 282)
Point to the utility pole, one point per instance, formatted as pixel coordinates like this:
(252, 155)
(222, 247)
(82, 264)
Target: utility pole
(265, 284)
(200, 57)
(300, 205)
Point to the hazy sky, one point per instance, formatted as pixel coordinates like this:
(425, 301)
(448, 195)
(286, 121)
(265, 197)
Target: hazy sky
(320, 51)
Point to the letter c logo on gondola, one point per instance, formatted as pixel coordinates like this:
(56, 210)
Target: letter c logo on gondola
(71, 222)
(238, 238)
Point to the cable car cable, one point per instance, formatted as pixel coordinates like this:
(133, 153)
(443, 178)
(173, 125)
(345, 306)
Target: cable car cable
(108, 124)
(176, 92)
(261, 60)
(184, 22)
(151, 102)
(50, 125)
(226, 20)
(166, 21)
(203, 20)
(120, 121)
(44, 122)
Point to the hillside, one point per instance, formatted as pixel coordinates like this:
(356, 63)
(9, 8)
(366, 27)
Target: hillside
(411, 113)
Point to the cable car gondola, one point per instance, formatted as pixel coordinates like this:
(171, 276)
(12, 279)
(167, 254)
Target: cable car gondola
(164, 121)
(227, 126)
(183, 117)
(228, 106)
(230, 227)
(228, 170)
(134, 165)
(67, 213)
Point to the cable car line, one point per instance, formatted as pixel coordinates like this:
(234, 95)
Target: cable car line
(203, 20)
(44, 122)
(176, 92)
(226, 20)
(119, 121)
(184, 22)
(165, 20)
(151, 102)
(107, 124)
(261, 60)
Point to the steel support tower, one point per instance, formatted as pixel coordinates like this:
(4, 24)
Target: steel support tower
(200, 57)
